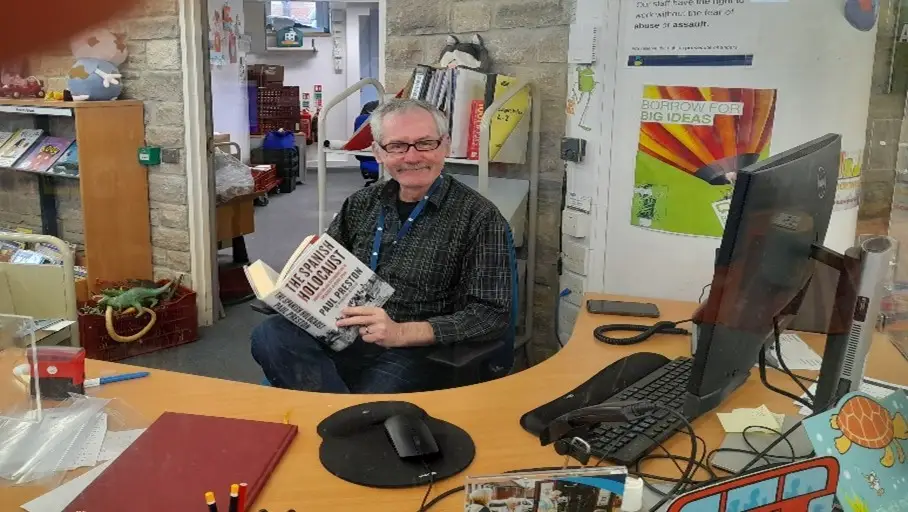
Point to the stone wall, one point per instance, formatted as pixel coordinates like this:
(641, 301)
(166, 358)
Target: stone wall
(884, 121)
(527, 39)
(152, 74)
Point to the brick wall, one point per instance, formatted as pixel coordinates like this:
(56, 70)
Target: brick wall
(152, 74)
(527, 39)
(884, 121)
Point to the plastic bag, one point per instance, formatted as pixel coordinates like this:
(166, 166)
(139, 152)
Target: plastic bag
(232, 178)
(80, 432)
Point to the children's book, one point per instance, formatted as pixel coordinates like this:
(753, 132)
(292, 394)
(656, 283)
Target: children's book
(44, 154)
(18, 145)
(68, 163)
(868, 436)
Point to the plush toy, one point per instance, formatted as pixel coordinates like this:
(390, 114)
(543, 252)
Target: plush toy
(469, 55)
(95, 75)
(100, 44)
(95, 80)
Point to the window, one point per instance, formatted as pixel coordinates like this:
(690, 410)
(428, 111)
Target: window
(313, 17)
(707, 503)
(805, 482)
(752, 496)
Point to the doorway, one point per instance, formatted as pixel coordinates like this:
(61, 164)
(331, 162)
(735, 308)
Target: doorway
(343, 44)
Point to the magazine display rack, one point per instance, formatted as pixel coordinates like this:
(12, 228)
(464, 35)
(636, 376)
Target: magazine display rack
(517, 199)
(113, 185)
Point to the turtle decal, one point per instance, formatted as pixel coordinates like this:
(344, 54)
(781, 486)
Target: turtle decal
(866, 423)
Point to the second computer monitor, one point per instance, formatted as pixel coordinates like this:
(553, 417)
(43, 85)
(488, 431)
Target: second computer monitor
(779, 208)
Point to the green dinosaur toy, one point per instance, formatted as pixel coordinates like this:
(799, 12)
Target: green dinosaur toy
(139, 299)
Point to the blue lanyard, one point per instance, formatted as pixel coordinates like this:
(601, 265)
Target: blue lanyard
(376, 242)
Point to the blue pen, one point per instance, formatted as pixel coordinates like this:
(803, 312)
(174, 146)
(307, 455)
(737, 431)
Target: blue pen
(93, 383)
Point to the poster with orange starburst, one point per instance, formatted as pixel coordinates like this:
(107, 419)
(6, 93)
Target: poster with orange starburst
(692, 143)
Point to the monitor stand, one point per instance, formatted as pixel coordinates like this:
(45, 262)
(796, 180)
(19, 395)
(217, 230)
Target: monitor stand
(855, 308)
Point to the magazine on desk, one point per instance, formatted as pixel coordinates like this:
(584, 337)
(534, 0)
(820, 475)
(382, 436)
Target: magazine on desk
(318, 281)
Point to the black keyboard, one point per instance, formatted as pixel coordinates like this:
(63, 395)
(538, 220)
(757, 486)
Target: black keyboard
(626, 443)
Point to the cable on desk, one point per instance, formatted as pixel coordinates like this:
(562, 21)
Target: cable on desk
(778, 346)
(769, 447)
(431, 475)
(765, 381)
(646, 331)
(754, 451)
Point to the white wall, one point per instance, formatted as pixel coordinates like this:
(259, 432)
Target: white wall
(353, 31)
(305, 70)
(228, 91)
(806, 50)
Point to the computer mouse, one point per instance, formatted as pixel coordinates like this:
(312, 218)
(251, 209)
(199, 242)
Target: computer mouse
(410, 436)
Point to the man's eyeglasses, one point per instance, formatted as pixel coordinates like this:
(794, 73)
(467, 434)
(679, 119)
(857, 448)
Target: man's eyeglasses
(403, 147)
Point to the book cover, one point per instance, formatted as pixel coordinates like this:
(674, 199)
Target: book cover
(506, 120)
(180, 457)
(318, 281)
(44, 154)
(867, 436)
(18, 145)
(5, 137)
(582, 490)
(68, 163)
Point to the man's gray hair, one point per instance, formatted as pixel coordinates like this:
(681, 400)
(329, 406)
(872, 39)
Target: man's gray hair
(401, 105)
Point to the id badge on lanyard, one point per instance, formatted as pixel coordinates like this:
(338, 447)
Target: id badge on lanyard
(380, 228)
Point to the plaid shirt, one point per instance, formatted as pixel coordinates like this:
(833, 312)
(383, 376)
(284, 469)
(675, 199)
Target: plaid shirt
(452, 269)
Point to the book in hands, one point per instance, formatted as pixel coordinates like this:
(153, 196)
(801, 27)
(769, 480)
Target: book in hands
(318, 281)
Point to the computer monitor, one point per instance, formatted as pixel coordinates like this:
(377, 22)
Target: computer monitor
(780, 207)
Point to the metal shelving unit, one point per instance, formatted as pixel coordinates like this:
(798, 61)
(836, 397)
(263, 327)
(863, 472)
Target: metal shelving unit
(511, 196)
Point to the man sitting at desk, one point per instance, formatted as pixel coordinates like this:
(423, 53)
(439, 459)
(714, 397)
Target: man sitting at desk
(443, 247)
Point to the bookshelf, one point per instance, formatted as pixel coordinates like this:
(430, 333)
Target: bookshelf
(113, 185)
(516, 199)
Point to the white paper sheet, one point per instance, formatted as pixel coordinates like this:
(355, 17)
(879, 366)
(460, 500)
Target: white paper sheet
(797, 354)
(116, 443)
(58, 499)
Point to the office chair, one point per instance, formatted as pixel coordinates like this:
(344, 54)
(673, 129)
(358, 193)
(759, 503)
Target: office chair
(368, 166)
(469, 363)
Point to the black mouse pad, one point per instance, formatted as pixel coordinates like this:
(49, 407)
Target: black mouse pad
(609, 381)
(356, 448)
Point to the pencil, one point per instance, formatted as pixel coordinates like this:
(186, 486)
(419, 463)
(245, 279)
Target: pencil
(212, 505)
(241, 505)
(234, 497)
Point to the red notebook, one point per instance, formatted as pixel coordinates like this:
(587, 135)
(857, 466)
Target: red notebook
(180, 457)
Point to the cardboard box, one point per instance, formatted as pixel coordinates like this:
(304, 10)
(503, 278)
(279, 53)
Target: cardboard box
(265, 74)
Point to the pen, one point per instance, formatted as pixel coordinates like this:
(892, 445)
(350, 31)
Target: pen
(241, 505)
(212, 505)
(93, 383)
(234, 497)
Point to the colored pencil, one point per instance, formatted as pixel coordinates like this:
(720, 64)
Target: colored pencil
(212, 504)
(241, 505)
(234, 497)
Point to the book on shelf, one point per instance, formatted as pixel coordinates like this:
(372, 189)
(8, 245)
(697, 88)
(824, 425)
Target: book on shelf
(68, 163)
(455, 90)
(318, 281)
(477, 107)
(4, 137)
(44, 154)
(18, 145)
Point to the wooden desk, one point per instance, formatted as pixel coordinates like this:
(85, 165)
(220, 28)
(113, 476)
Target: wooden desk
(489, 412)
